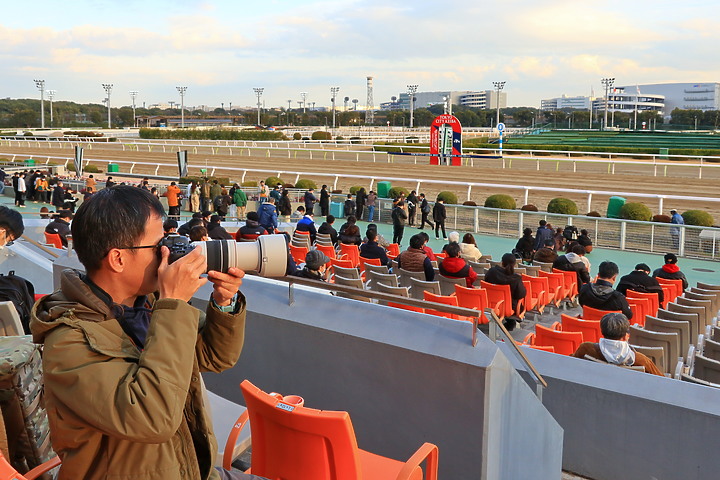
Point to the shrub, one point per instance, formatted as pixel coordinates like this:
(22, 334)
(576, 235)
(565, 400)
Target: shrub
(635, 211)
(395, 192)
(698, 217)
(91, 169)
(297, 136)
(563, 206)
(272, 181)
(339, 137)
(221, 180)
(661, 218)
(288, 185)
(249, 183)
(320, 135)
(305, 184)
(470, 203)
(529, 208)
(501, 200)
(197, 134)
(355, 188)
(355, 140)
(593, 214)
(448, 197)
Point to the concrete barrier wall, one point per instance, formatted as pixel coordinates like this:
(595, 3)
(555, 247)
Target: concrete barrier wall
(405, 379)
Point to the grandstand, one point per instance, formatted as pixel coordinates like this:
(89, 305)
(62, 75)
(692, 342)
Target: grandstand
(643, 139)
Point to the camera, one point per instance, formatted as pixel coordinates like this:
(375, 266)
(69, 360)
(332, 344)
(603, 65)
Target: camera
(267, 256)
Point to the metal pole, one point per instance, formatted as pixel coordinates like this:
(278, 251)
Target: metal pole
(412, 89)
(41, 85)
(498, 86)
(182, 91)
(334, 91)
(303, 95)
(51, 96)
(607, 83)
(108, 90)
(133, 96)
(258, 92)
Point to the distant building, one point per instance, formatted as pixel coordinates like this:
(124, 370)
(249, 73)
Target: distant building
(482, 99)
(687, 96)
(628, 100)
(559, 103)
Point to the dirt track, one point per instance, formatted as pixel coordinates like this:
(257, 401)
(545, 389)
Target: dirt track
(637, 178)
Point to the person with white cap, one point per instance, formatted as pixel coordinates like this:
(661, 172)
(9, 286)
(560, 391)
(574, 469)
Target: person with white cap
(315, 266)
(677, 219)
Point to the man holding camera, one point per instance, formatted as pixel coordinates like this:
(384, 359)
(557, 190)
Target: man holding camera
(122, 364)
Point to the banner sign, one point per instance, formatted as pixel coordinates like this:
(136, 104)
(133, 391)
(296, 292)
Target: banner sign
(182, 163)
(78, 160)
(445, 141)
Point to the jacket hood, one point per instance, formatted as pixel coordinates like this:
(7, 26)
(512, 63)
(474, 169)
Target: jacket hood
(617, 352)
(600, 291)
(671, 268)
(573, 257)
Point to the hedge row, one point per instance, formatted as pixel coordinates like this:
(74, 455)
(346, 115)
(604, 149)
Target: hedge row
(195, 134)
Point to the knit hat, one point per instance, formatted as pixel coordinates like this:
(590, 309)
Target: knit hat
(316, 259)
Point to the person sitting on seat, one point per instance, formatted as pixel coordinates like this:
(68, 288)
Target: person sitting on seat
(327, 229)
(640, 280)
(614, 347)
(351, 235)
(217, 231)
(469, 248)
(251, 230)
(199, 233)
(572, 262)
(600, 295)
(185, 227)
(315, 266)
(671, 271)
(525, 246)
(378, 236)
(414, 259)
(455, 267)
(11, 225)
(505, 275)
(547, 253)
(307, 224)
(426, 248)
(298, 214)
(584, 240)
(370, 249)
(351, 220)
(60, 226)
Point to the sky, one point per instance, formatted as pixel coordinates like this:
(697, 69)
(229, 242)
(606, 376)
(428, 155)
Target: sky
(221, 49)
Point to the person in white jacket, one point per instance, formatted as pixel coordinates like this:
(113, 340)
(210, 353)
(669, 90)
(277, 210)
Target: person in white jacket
(20, 194)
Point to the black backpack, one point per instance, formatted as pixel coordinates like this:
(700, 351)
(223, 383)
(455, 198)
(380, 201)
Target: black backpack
(21, 293)
(570, 232)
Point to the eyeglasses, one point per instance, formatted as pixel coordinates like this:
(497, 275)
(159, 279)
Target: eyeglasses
(139, 247)
(10, 239)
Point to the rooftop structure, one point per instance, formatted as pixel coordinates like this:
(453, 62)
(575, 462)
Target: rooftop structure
(476, 99)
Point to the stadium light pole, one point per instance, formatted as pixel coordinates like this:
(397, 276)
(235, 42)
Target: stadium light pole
(133, 96)
(334, 91)
(40, 84)
(258, 92)
(51, 95)
(607, 83)
(412, 89)
(108, 90)
(303, 95)
(498, 87)
(182, 91)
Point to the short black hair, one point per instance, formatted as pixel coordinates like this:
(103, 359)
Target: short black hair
(670, 258)
(425, 236)
(253, 216)
(215, 219)
(543, 223)
(169, 224)
(330, 219)
(614, 326)
(112, 218)
(371, 235)
(351, 219)
(578, 249)
(197, 233)
(416, 241)
(607, 269)
(12, 221)
(452, 249)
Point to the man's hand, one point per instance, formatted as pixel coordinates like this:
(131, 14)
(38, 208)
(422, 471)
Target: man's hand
(225, 285)
(181, 279)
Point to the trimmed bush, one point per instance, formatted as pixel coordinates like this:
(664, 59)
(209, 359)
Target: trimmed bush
(91, 169)
(395, 192)
(470, 203)
(593, 214)
(320, 135)
(448, 197)
(698, 217)
(355, 140)
(197, 134)
(249, 183)
(529, 208)
(297, 136)
(305, 184)
(355, 188)
(661, 218)
(564, 206)
(272, 181)
(288, 185)
(635, 211)
(501, 200)
(339, 137)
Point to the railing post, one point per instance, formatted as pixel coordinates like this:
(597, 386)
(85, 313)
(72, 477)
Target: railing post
(527, 195)
(521, 217)
(589, 202)
(661, 206)
(623, 233)
(476, 221)
(468, 194)
(681, 252)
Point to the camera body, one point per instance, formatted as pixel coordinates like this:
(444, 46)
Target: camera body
(178, 245)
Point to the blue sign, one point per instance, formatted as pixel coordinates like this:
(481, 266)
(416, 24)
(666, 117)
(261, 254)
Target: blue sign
(500, 127)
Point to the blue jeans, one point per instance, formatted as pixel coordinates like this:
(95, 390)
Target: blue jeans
(371, 213)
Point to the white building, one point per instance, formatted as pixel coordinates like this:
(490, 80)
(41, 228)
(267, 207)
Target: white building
(559, 103)
(482, 99)
(629, 100)
(687, 96)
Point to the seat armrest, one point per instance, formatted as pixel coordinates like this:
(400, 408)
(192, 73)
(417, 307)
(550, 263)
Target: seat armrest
(428, 452)
(44, 468)
(232, 439)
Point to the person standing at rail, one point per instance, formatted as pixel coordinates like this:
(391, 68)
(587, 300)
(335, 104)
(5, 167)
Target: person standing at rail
(324, 201)
(439, 215)
(676, 219)
(425, 211)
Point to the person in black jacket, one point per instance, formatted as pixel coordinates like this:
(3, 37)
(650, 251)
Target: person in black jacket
(670, 270)
(324, 201)
(600, 295)
(571, 262)
(217, 231)
(327, 229)
(360, 199)
(543, 234)
(60, 225)
(399, 217)
(412, 203)
(425, 211)
(284, 206)
(525, 246)
(58, 196)
(371, 249)
(584, 240)
(640, 280)
(505, 275)
(439, 215)
(349, 207)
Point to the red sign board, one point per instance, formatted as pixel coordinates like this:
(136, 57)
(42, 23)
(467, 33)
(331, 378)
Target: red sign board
(445, 140)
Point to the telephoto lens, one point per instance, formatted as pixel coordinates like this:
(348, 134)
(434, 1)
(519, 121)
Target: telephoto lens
(267, 257)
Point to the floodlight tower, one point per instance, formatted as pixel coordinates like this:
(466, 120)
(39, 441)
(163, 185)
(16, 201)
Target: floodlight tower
(51, 95)
(370, 104)
(108, 90)
(303, 95)
(608, 84)
(40, 84)
(258, 93)
(182, 91)
(133, 96)
(498, 86)
(334, 91)
(412, 89)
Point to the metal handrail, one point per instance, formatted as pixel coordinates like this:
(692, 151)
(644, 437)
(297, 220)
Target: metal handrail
(496, 326)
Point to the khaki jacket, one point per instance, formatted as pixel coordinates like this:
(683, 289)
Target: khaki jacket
(118, 413)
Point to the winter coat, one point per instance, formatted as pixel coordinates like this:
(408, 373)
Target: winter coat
(541, 235)
(601, 296)
(415, 260)
(373, 250)
(439, 213)
(497, 275)
(399, 217)
(268, 216)
(672, 272)
(455, 267)
(284, 206)
(239, 197)
(250, 231)
(571, 262)
(640, 281)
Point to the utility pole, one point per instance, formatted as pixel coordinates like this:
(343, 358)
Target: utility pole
(258, 92)
(40, 84)
(303, 95)
(370, 103)
(51, 95)
(607, 83)
(334, 91)
(498, 87)
(412, 89)
(108, 90)
(182, 91)
(133, 96)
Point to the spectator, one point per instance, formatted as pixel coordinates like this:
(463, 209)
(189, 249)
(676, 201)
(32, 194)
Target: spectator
(455, 267)
(676, 219)
(44, 213)
(69, 200)
(58, 196)
(370, 204)
(351, 235)
(414, 258)
(268, 215)
(240, 199)
(371, 249)
(222, 203)
(284, 206)
(584, 240)
(469, 248)
(543, 233)
(525, 246)
(547, 253)
(572, 262)
(412, 204)
(20, 191)
(91, 184)
(505, 275)
(109, 182)
(217, 231)
(349, 206)
(439, 216)
(327, 229)
(299, 213)
(399, 217)
(324, 201)
(193, 193)
(360, 199)
(199, 233)
(195, 220)
(205, 198)
(600, 295)
(379, 238)
(307, 224)
(614, 347)
(639, 280)
(315, 266)
(173, 199)
(454, 237)
(11, 225)
(426, 248)
(310, 200)
(351, 220)
(251, 230)
(559, 240)
(263, 192)
(60, 225)
(215, 191)
(670, 270)
(206, 217)
(424, 212)
(170, 227)
(276, 193)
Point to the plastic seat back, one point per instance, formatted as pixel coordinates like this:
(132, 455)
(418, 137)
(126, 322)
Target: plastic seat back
(545, 267)
(373, 278)
(590, 329)
(474, 298)
(670, 342)
(655, 324)
(640, 307)
(651, 297)
(407, 275)
(377, 268)
(447, 284)
(298, 253)
(351, 253)
(590, 313)
(417, 287)
(540, 291)
(677, 287)
(693, 319)
(706, 305)
(445, 299)
(7, 472)
(570, 281)
(346, 272)
(706, 369)
(499, 298)
(393, 250)
(53, 239)
(711, 349)
(362, 261)
(556, 283)
(399, 291)
(329, 251)
(565, 343)
(336, 262)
